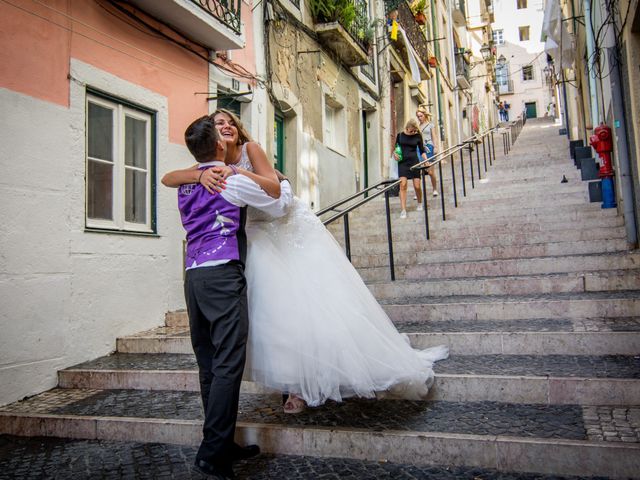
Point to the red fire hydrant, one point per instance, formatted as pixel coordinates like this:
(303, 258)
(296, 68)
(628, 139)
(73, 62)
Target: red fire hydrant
(602, 142)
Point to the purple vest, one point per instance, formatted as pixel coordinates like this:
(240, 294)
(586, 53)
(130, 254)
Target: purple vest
(215, 227)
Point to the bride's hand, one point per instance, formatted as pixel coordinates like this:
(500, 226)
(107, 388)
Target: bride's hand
(213, 180)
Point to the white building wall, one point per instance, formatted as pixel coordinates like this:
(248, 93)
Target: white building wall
(509, 18)
(66, 293)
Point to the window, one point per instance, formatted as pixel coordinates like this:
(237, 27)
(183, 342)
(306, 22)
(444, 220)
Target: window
(521, 4)
(120, 161)
(334, 125)
(498, 37)
(502, 74)
(524, 33)
(527, 72)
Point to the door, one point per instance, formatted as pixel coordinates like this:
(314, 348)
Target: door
(531, 109)
(278, 142)
(365, 151)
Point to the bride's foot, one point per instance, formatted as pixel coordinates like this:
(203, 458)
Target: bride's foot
(294, 404)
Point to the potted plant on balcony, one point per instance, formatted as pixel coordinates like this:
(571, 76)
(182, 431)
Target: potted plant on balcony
(326, 11)
(418, 7)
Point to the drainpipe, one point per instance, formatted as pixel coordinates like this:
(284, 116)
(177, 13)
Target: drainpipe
(436, 47)
(590, 76)
(455, 74)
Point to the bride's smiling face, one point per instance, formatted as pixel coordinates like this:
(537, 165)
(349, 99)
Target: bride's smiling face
(227, 128)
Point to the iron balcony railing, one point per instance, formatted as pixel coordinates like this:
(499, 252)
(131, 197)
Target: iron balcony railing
(361, 24)
(414, 33)
(462, 7)
(226, 11)
(462, 67)
(505, 87)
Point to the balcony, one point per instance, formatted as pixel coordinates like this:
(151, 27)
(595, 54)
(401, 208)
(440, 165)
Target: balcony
(349, 41)
(414, 35)
(214, 24)
(459, 13)
(506, 88)
(462, 71)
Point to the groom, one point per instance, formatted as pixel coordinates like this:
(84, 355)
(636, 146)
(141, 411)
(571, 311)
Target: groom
(215, 292)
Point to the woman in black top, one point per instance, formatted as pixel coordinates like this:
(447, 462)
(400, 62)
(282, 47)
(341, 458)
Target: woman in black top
(411, 143)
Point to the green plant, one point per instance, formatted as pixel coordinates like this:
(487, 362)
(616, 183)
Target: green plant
(343, 11)
(367, 33)
(418, 6)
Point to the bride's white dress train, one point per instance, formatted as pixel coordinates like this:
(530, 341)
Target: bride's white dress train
(314, 328)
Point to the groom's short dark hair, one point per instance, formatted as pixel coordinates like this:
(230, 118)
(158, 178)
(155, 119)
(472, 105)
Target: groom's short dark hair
(202, 138)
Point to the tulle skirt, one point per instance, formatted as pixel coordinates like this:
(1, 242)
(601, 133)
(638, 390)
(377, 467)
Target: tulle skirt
(315, 329)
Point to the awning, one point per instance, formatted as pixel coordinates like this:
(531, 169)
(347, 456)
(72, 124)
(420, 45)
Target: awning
(559, 43)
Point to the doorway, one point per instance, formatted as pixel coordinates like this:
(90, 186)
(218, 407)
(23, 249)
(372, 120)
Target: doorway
(530, 107)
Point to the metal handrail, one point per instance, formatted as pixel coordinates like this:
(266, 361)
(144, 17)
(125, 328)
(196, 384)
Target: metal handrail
(488, 151)
(382, 187)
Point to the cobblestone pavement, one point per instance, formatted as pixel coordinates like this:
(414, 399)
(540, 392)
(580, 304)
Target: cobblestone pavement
(480, 418)
(612, 424)
(606, 366)
(53, 458)
(609, 366)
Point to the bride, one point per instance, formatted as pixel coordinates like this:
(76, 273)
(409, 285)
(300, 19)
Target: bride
(315, 330)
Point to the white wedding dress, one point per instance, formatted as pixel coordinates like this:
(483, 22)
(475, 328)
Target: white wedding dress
(315, 330)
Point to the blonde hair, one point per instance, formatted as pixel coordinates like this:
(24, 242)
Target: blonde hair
(413, 123)
(424, 112)
(243, 134)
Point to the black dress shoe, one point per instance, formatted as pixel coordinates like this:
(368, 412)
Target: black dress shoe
(242, 453)
(217, 472)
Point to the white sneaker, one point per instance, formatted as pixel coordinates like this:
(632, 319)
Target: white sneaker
(403, 214)
(435, 193)
(419, 208)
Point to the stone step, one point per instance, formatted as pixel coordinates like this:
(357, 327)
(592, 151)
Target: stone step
(559, 440)
(414, 225)
(493, 340)
(507, 267)
(565, 305)
(57, 458)
(457, 254)
(440, 241)
(415, 221)
(607, 280)
(562, 379)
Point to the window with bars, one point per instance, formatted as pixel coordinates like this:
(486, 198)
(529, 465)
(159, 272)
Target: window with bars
(120, 166)
(527, 73)
(498, 37)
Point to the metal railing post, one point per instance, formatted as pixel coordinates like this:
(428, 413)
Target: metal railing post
(477, 147)
(389, 236)
(473, 184)
(453, 180)
(347, 239)
(424, 203)
(484, 153)
(492, 146)
(464, 184)
(444, 217)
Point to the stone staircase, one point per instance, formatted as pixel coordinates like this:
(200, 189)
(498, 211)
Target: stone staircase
(533, 289)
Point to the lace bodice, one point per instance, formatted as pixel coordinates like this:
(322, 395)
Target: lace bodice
(244, 161)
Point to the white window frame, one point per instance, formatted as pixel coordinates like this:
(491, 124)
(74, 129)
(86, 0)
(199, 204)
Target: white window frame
(498, 36)
(118, 223)
(533, 76)
(335, 125)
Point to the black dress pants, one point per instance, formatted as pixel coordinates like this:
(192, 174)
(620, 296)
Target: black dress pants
(216, 300)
